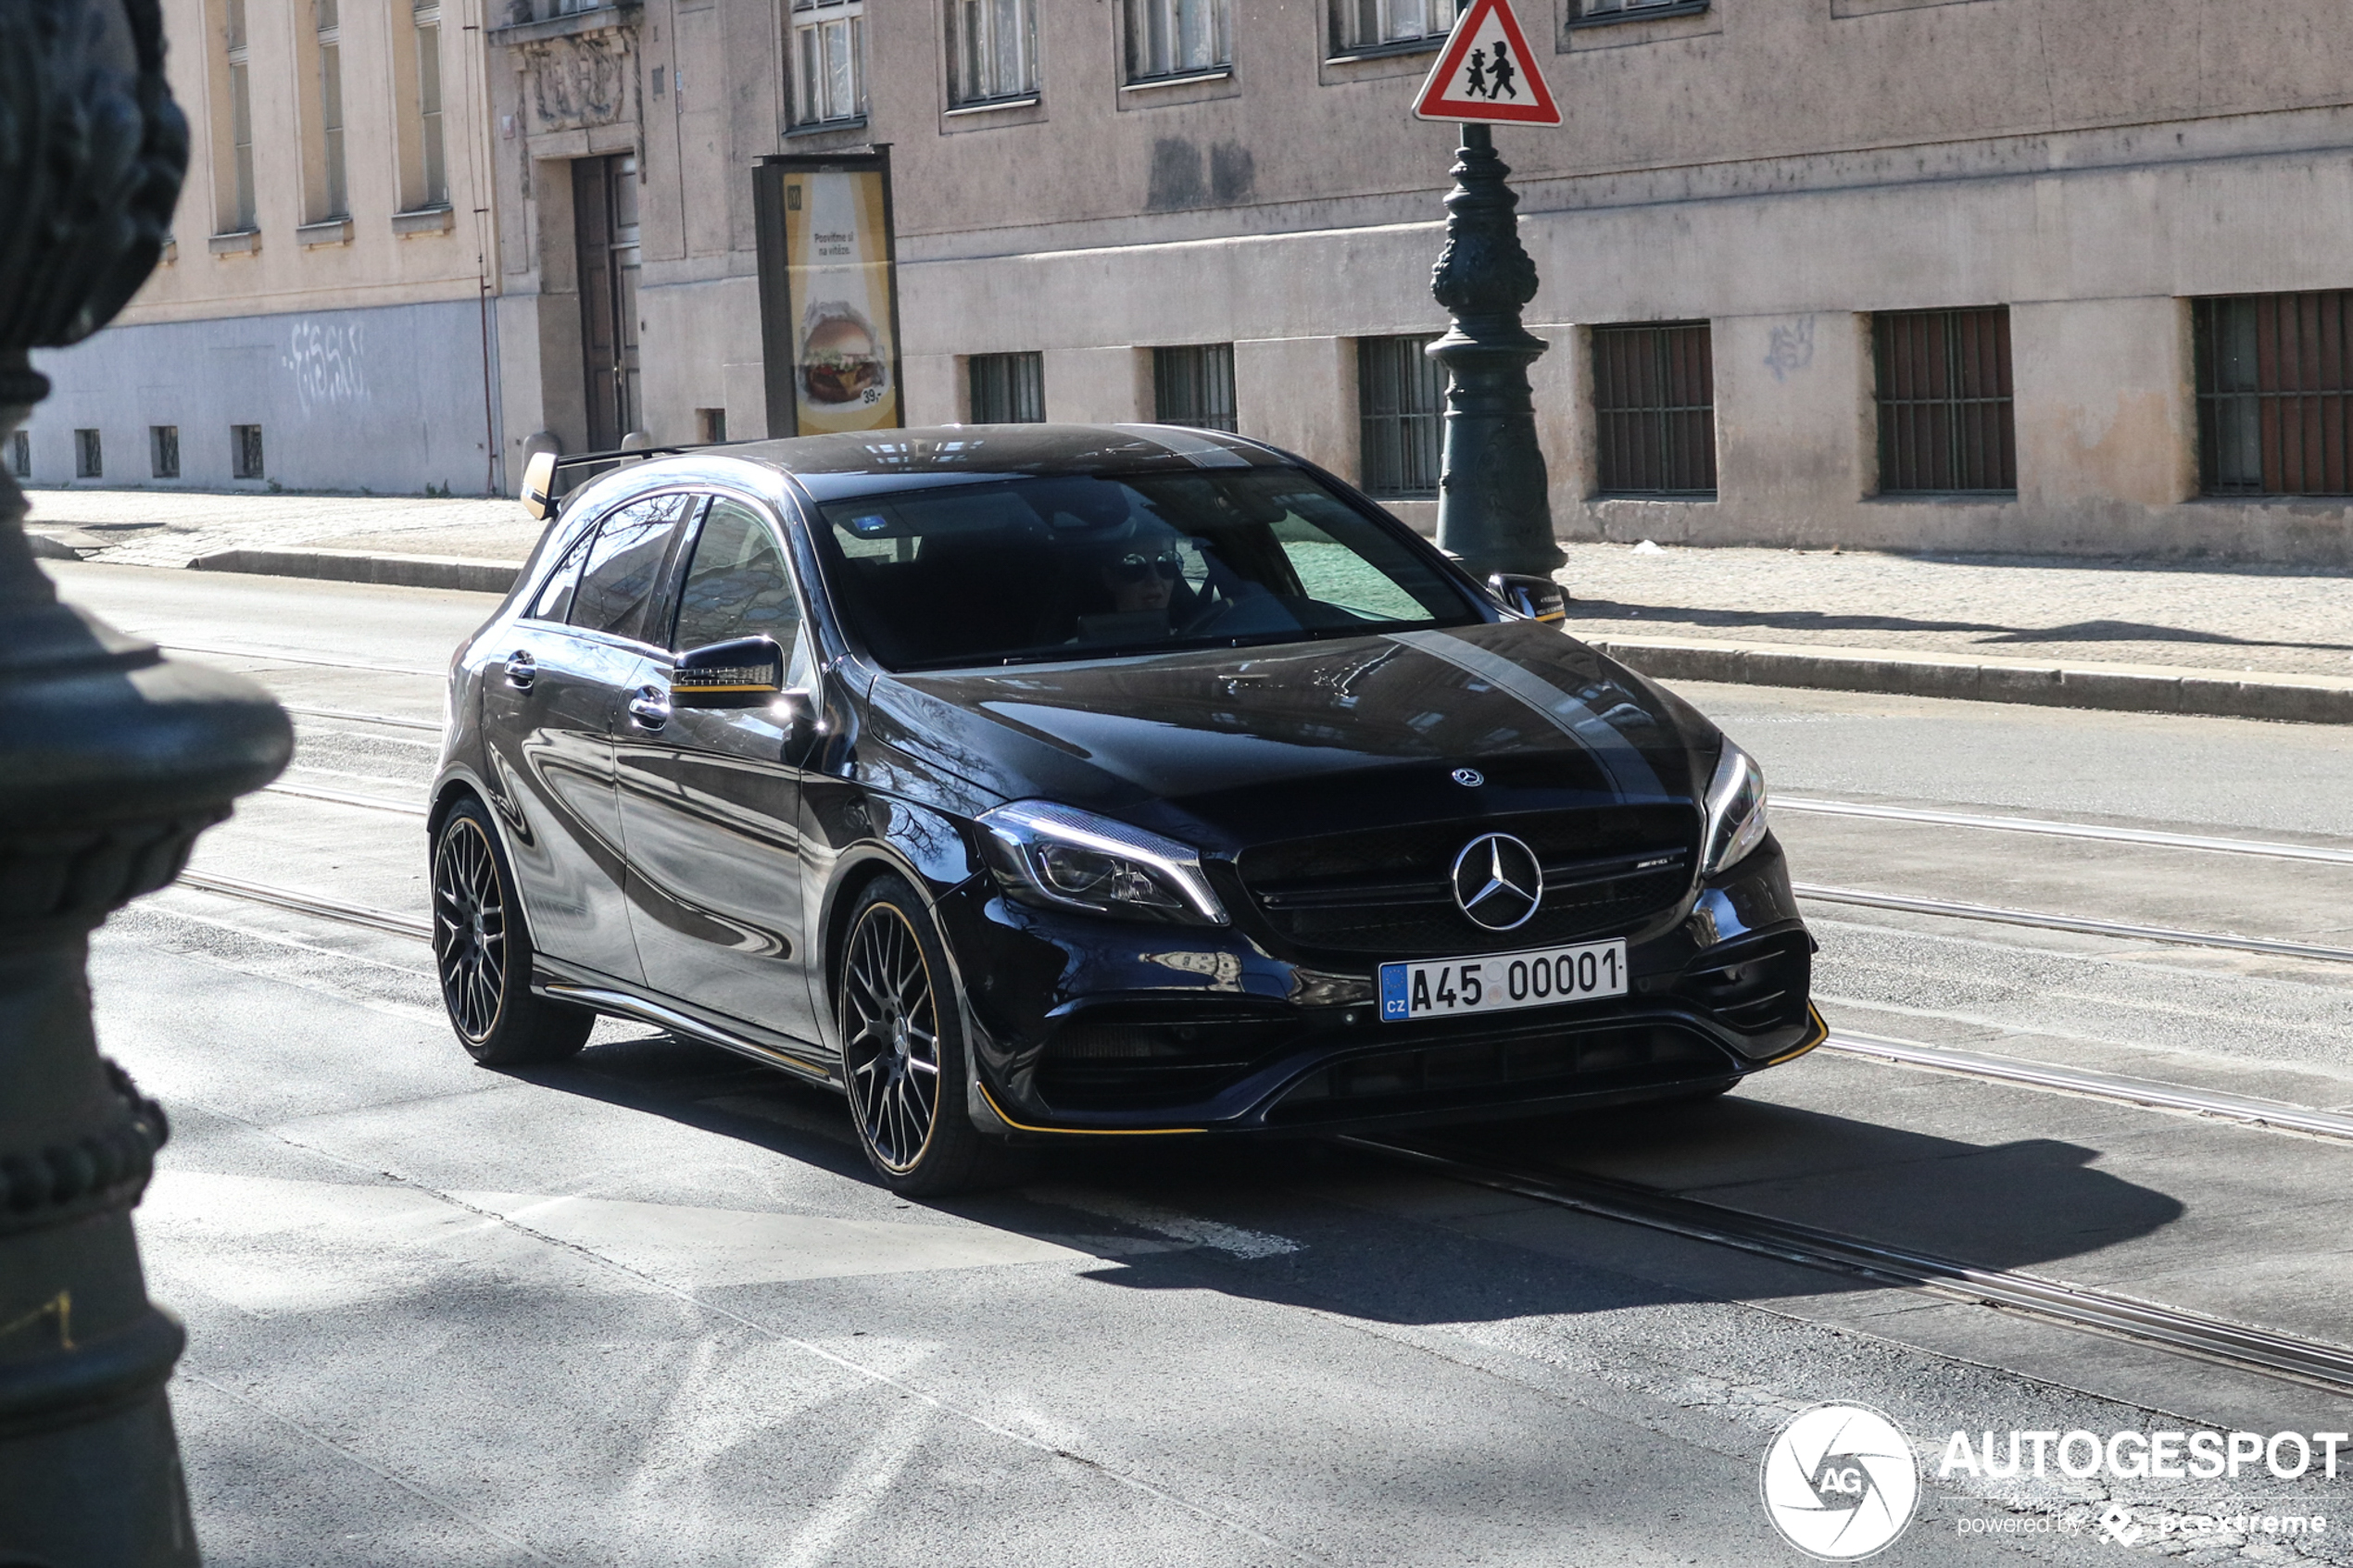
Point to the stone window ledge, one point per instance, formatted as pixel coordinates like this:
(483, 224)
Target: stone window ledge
(326, 231)
(237, 242)
(423, 221)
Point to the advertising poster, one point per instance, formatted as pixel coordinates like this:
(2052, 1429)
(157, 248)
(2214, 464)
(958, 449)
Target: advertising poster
(829, 294)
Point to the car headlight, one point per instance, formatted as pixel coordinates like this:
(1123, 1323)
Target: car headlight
(1063, 858)
(1735, 810)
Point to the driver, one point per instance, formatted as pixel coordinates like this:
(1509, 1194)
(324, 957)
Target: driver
(1142, 575)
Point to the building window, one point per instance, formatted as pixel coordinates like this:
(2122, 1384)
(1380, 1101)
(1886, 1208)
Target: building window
(829, 40)
(338, 203)
(1362, 25)
(1944, 418)
(20, 454)
(1400, 411)
(2275, 394)
(163, 450)
(1626, 11)
(244, 451)
(1176, 38)
(240, 121)
(89, 458)
(992, 50)
(434, 158)
(1008, 389)
(710, 426)
(1194, 385)
(1654, 409)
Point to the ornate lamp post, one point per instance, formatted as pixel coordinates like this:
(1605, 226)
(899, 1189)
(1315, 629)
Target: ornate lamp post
(1493, 509)
(113, 761)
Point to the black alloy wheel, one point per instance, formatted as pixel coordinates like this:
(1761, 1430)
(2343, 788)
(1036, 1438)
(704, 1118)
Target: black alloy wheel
(904, 1050)
(483, 952)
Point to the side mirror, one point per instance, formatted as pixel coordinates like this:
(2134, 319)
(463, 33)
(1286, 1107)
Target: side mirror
(539, 487)
(742, 673)
(1539, 598)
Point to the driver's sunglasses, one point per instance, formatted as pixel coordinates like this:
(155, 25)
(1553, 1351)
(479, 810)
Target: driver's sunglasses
(1134, 569)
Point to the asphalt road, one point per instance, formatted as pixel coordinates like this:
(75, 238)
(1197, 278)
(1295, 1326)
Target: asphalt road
(648, 1308)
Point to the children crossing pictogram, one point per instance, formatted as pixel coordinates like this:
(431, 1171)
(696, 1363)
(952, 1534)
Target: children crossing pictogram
(1488, 72)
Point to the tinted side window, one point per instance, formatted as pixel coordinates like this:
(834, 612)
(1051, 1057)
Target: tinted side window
(624, 567)
(737, 585)
(554, 599)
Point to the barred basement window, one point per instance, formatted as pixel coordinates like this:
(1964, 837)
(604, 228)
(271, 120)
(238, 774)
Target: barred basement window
(1194, 385)
(20, 454)
(1400, 411)
(1654, 409)
(89, 459)
(1944, 402)
(2274, 394)
(244, 451)
(163, 450)
(1008, 389)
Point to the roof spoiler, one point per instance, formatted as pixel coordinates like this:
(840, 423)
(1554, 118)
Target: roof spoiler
(540, 493)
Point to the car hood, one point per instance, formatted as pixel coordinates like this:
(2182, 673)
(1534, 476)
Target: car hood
(1230, 746)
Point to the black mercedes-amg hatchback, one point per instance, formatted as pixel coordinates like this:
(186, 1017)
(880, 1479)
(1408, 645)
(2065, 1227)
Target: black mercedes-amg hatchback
(1043, 782)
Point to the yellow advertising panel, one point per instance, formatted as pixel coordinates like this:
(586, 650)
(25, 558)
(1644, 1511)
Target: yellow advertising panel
(837, 294)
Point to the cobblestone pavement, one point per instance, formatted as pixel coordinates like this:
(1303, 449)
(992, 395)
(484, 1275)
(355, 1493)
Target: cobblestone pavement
(2268, 620)
(2259, 619)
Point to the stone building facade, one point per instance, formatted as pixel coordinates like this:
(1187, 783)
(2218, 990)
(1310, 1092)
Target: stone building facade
(2042, 275)
(322, 319)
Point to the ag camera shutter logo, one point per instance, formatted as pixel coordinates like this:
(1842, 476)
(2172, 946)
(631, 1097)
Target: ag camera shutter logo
(1840, 1482)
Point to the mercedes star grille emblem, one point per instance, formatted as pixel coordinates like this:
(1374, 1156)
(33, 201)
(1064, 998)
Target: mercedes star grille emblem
(1498, 882)
(1469, 778)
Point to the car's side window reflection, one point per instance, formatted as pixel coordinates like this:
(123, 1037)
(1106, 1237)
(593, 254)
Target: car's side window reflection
(624, 567)
(737, 585)
(554, 599)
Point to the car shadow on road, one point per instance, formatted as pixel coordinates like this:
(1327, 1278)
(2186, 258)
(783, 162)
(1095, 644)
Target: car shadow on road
(1315, 1224)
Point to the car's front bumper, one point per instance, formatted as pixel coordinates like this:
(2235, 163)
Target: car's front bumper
(1084, 1026)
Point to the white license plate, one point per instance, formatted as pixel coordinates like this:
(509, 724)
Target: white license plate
(1500, 981)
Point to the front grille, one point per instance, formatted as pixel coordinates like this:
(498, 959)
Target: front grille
(1133, 1060)
(1388, 892)
(1531, 1066)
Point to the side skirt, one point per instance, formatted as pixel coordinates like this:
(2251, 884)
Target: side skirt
(623, 1004)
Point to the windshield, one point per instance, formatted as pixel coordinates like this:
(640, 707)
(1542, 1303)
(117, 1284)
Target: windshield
(1079, 567)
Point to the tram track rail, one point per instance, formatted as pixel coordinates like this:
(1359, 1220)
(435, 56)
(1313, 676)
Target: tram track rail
(2147, 837)
(1996, 915)
(2314, 1362)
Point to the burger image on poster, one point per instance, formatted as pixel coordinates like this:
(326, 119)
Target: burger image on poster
(840, 361)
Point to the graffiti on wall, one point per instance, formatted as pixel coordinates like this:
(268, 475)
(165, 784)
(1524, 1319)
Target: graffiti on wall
(324, 358)
(1790, 346)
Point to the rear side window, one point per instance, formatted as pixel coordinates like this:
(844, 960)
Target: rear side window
(737, 585)
(553, 601)
(623, 568)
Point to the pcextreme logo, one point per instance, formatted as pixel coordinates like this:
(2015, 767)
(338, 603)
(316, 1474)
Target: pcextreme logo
(1840, 1482)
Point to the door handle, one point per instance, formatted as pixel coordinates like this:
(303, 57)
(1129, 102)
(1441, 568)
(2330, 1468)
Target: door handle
(520, 670)
(651, 707)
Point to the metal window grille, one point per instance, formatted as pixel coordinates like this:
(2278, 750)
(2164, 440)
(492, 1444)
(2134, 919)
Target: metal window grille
(89, 459)
(20, 454)
(1008, 389)
(1176, 37)
(436, 158)
(1944, 402)
(163, 450)
(1377, 24)
(829, 36)
(1194, 385)
(992, 50)
(1400, 411)
(1654, 409)
(2275, 394)
(244, 451)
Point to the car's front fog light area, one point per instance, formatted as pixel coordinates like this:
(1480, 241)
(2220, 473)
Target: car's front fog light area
(1058, 857)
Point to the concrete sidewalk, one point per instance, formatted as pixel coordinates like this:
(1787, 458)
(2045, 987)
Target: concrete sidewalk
(2249, 641)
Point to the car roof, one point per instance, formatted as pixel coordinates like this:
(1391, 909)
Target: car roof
(868, 462)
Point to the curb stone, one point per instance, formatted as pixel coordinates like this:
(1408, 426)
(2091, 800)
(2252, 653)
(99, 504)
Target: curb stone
(2130, 688)
(364, 566)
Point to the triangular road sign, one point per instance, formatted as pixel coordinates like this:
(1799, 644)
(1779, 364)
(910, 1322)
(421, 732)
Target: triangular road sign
(1488, 72)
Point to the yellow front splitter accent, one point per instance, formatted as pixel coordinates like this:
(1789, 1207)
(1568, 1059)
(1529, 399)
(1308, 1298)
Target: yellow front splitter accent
(1814, 1036)
(1083, 1132)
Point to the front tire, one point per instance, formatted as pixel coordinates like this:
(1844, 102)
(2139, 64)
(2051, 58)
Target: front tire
(904, 1050)
(481, 952)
